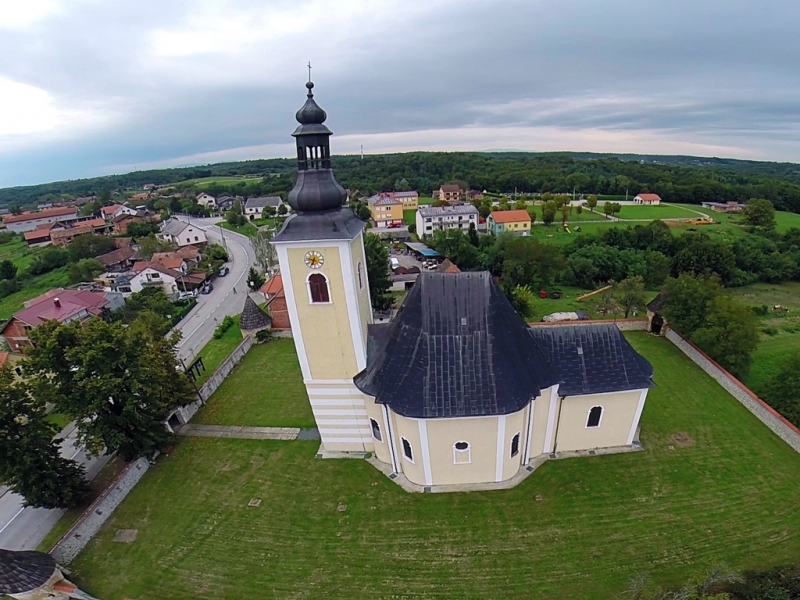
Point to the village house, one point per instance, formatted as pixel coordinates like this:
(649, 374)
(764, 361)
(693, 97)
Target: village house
(652, 199)
(123, 220)
(254, 207)
(433, 218)
(28, 221)
(410, 200)
(276, 303)
(385, 210)
(517, 222)
(171, 260)
(724, 207)
(118, 260)
(153, 274)
(181, 233)
(451, 192)
(61, 305)
(207, 200)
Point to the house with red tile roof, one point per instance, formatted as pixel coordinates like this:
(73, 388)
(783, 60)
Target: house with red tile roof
(28, 221)
(517, 222)
(652, 199)
(276, 302)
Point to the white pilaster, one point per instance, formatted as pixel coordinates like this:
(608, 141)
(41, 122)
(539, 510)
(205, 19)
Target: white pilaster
(426, 457)
(637, 416)
(501, 448)
(551, 421)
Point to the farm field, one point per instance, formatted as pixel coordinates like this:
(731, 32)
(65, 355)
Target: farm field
(662, 211)
(727, 494)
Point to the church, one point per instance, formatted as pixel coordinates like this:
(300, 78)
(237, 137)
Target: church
(457, 388)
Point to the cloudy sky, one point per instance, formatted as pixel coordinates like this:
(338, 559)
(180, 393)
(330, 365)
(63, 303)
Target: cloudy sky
(91, 87)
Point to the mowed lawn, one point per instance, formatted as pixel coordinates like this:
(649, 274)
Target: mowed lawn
(339, 529)
(662, 211)
(265, 390)
(217, 350)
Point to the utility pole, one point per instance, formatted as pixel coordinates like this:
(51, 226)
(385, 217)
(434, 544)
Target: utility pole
(626, 194)
(362, 151)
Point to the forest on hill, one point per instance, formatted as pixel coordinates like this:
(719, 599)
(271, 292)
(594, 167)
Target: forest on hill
(679, 179)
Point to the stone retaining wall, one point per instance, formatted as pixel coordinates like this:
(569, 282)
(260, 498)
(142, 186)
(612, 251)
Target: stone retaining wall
(763, 411)
(622, 324)
(210, 386)
(68, 547)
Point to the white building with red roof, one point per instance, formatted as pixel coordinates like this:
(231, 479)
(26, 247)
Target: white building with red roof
(653, 199)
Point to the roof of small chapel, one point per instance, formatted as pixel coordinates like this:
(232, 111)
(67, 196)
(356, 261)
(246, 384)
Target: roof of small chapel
(253, 318)
(457, 348)
(22, 572)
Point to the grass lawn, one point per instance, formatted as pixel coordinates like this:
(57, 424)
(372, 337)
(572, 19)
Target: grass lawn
(265, 390)
(731, 498)
(662, 211)
(569, 303)
(33, 286)
(409, 217)
(425, 200)
(217, 350)
(247, 229)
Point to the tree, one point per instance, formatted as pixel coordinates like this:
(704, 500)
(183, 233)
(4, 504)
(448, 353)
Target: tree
(472, 234)
(85, 269)
(607, 304)
(687, 300)
(564, 214)
(30, 460)
(629, 294)
(782, 391)
(282, 210)
(759, 212)
(137, 230)
(264, 250)
(659, 267)
(456, 246)
(729, 334)
(151, 244)
(608, 209)
(117, 382)
(15, 209)
(377, 255)
(520, 205)
(524, 301)
(591, 202)
(530, 262)
(254, 279)
(548, 212)
(579, 209)
(8, 270)
(90, 246)
(48, 259)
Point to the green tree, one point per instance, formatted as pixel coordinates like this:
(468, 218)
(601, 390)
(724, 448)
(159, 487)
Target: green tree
(377, 255)
(729, 334)
(629, 294)
(456, 246)
(8, 270)
(659, 267)
(255, 279)
(90, 246)
(687, 301)
(47, 260)
(782, 391)
(591, 202)
(139, 230)
(759, 212)
(472, 234)
(104, 197)
(607, 304)
(564, 214)
(30, 460)
(524, 301)
(520, 205)
(608, 208)
(118, 382)
(151, 244)
(579, 209)
(282, 210)
(530, 262)
(549, 212)
(85, 269)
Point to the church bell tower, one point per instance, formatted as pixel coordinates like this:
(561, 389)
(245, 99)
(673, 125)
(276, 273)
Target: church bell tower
(323, 265)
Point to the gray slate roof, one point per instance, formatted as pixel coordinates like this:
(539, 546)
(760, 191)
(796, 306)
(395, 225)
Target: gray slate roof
(457, 348)
(253, 318)
(336, 224)
(24, 571)
(174, 227)
(273, 201)
(458, 209)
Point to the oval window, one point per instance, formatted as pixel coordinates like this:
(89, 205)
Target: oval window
(462, 445)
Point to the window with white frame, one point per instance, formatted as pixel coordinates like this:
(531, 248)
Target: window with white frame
(407, 452)
(515, 445)
(595, 416)
(376, 430)
(318, 289)
(461, 453)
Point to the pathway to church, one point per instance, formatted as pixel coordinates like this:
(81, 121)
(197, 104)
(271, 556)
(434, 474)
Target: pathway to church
(250, 433)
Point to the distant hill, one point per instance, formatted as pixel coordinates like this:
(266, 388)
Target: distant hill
(688, 179)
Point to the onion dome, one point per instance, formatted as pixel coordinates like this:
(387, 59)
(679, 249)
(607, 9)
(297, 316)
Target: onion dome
(311, 113)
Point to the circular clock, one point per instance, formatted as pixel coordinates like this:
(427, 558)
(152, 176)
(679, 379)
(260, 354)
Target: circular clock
(314, 259)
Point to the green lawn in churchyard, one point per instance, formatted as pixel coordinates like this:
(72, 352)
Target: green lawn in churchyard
(217, 350)
(725, 492)
(265, 390)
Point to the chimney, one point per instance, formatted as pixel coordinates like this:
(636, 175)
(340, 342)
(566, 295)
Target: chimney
(57, 302)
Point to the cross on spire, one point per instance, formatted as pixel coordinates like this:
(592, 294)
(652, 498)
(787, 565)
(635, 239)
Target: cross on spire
(309, 71)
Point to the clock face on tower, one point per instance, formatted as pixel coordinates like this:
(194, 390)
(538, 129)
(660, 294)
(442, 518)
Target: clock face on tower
(314, 259)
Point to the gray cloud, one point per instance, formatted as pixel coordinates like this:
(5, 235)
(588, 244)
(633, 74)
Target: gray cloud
(158, 82)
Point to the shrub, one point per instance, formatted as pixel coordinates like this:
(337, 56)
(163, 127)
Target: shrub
(760, 310)
(263, 335)
(769, 330)
(226, 324)
(182, 308)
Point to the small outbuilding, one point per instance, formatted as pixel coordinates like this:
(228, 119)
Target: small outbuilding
(253, 319)
(655, 320)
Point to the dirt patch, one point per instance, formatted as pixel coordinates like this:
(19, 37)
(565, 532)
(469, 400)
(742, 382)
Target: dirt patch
(227, 467)
(682, 439)
(126, 536)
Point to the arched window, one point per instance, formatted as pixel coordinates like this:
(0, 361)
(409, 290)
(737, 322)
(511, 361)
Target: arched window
(360, 270)
(595, 416)
(407, 450)
(376, 430)
(318, 288)
(515, 445)
(461, 453)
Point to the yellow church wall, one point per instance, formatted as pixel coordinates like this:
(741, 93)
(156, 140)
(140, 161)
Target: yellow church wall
(362, 288)
(541, 407)
(325, 328)
(481, 435)
(619, 411)
(409, 429)
(375, 411)
(515, 423)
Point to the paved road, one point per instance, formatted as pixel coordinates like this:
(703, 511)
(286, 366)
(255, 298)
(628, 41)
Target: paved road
(199, 327)
(24, 528)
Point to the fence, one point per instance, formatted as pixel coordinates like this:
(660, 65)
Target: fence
(763, 411)
(75, 540)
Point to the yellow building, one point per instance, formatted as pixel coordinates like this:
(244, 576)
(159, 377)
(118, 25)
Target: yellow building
(457, 389)
(385, 210)
(517, 222)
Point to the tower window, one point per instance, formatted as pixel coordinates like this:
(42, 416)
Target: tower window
(376, 430)
(595, 416)
(515, 445)
(318, 289)
(407, 452)
(461, 453)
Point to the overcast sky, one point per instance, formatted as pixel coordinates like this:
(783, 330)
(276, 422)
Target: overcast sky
(91, 87)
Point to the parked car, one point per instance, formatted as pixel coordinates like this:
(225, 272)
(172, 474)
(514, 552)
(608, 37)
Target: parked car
(223, 270)
(207, 288)
(186, 295)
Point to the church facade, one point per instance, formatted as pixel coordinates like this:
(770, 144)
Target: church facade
(457, 389)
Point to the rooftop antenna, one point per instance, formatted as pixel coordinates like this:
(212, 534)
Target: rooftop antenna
(309, 71)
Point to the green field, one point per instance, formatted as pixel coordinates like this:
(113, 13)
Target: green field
(34, 286)
(265, 390)
(204, 182)
(662, 211)
(409, 217)
(729, 496)
(425, 200)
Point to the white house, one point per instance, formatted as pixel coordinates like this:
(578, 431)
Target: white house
(182, 233)
(155, 275)
(206, 200)
(254, 207)
(432, 218)
(653, 199)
